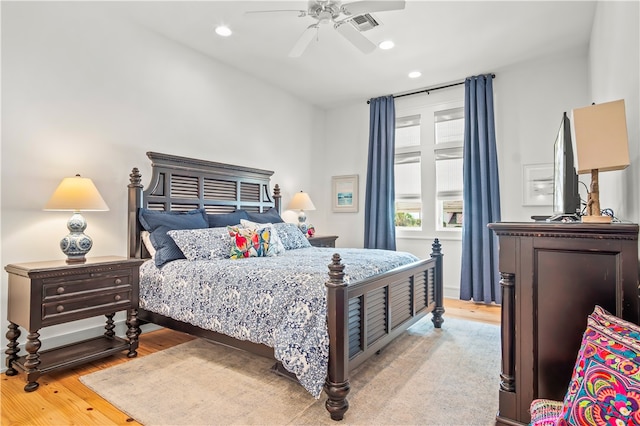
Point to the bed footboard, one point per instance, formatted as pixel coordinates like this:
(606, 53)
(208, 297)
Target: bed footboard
(366, 316)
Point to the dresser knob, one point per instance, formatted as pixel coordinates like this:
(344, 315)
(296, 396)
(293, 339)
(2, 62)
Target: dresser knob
(59, 308)
(117, 297)
(60, 290)
(118, 281)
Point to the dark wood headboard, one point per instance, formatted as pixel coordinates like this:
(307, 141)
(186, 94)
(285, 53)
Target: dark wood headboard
(182, 184)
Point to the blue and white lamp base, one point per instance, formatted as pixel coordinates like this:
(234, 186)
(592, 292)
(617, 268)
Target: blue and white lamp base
(302, 222)
(76, 244)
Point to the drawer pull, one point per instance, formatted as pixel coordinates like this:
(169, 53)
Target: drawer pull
(118, 281)
(60, 290)
(59, 308)
(117, 297)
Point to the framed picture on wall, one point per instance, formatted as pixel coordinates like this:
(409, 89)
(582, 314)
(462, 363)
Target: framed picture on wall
(344, 193)
(537, 180)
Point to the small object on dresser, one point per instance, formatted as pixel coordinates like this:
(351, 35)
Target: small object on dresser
(311, 231)
(42, 294)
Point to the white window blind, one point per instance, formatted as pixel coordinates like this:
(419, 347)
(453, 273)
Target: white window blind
(449, 140)
(408, 172)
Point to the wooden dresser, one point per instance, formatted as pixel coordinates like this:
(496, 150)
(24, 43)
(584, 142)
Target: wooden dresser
(552, 276)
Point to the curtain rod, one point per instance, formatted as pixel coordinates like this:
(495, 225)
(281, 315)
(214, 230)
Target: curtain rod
(430, 90)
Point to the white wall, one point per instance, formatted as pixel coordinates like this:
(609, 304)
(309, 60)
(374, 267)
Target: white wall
(84, 92)
(614, 73)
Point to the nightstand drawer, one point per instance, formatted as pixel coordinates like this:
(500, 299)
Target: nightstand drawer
(54, 288)
(85, 306)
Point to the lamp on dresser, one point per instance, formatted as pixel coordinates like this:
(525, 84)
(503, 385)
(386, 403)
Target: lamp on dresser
(301, 202)
(76, 194)
(601, 145)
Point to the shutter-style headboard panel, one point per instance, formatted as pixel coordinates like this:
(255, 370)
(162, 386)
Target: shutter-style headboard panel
(182, 184)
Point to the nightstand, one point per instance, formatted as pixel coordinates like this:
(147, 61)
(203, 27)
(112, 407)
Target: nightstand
(43, 294)
(323, 240)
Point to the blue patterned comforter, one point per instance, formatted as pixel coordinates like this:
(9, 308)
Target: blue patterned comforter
(277, 301)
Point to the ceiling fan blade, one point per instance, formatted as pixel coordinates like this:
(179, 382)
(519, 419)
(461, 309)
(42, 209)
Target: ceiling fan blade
(300, 13)
(370, 6)
(303, 41)
(355, 37)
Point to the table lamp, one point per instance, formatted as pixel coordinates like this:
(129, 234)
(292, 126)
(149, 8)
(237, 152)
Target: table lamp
(601, 145)
(301, 202)
(76, 194)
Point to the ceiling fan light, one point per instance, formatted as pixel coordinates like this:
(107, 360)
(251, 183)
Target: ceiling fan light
(386, 45)
(223, 31)
(415, 74)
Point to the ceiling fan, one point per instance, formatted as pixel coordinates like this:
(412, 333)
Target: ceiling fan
(340, 15)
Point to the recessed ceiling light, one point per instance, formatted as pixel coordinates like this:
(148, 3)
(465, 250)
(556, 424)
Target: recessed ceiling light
(223, 30)
(415, 74)
(386, 45)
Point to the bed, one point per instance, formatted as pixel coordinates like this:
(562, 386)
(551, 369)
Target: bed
(364, 310)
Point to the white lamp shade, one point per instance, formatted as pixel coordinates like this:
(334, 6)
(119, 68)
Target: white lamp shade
(601, 137)
(301, 201)
(76, 194)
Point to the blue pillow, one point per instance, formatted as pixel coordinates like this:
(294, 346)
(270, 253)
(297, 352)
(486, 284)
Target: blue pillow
(222, 220)
(270, 216)
(159, 222)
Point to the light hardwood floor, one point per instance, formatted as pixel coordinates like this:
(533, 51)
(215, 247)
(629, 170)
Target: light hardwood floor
(62, 399)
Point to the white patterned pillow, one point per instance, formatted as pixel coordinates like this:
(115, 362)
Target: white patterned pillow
(291, 236)
(203, 244)
(276, 247)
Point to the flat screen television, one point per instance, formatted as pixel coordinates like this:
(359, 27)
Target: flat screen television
(566, 198)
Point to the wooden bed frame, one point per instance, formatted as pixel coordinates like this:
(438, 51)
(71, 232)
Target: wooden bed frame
(362, 317)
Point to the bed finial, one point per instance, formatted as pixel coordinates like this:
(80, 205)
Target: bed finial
(135, 178)
(276, 198)
(336, 271)
(436, 248)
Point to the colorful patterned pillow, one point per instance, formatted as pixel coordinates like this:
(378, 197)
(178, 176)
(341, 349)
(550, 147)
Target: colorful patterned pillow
(605, 386)
(291, 236)
(276, 247)
(249, 242)
(202, 244)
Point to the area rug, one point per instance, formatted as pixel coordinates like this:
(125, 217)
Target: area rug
(427, 376)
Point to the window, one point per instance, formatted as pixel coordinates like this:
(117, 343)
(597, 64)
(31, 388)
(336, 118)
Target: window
(449, 139)
(408, 173)
(428, 164)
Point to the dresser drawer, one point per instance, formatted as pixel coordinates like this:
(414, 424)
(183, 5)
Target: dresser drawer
(86, 305)
(55, 288)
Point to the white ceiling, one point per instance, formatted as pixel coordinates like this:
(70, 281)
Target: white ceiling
(445, 40)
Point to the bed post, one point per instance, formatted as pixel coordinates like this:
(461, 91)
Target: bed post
(276, 198)
(436, 252)
(134, 249)
(337, 383)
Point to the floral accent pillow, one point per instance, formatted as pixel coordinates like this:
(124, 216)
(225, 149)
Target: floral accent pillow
(202, 244)
(249, 242)
(291, 236)
(276, 247)
(605, 385)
